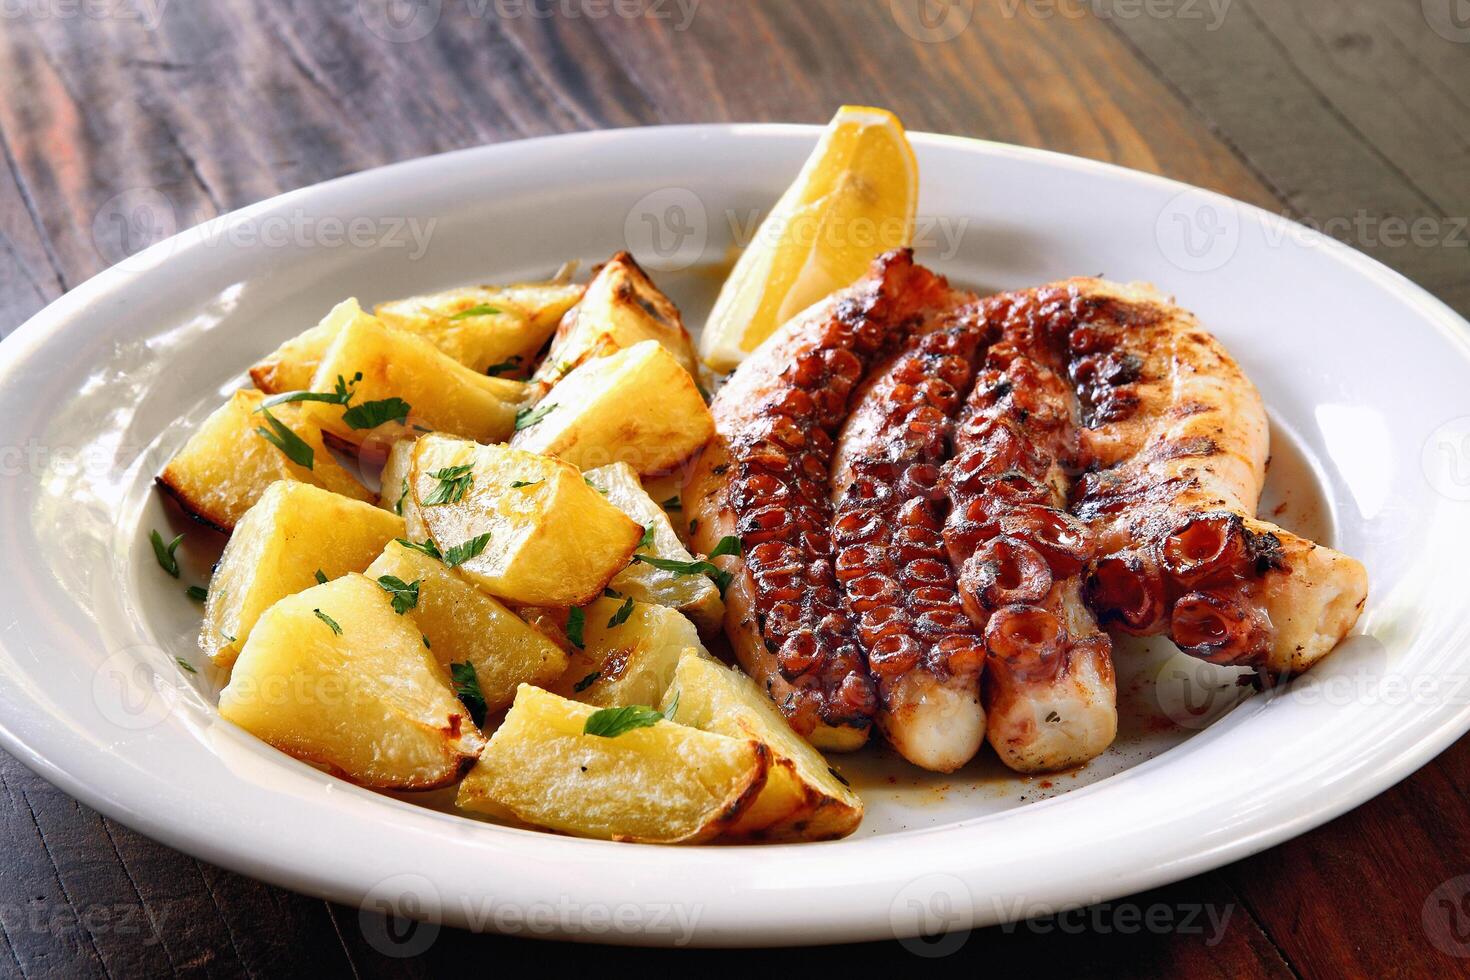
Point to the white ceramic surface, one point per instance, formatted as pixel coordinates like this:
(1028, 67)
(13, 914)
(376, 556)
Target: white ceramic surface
(1364, 374)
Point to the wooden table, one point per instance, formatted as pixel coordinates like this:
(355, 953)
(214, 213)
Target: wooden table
(1351, 115)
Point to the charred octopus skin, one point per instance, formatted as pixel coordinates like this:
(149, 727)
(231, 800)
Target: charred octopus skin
(1050, 693)
(924, 653)
(765, 479)
(1172, 445)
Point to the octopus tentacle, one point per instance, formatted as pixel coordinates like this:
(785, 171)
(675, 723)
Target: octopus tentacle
(924, 653)
(1049, 692)
(764, 478)
(1172, 445)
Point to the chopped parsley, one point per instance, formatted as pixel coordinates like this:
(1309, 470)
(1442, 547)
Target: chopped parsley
(293, 446)
(576, 619)
(425, 638)
(521, 484)
(370, 415)
(454, 483)
(321, 577)
(621, 616)
(341, 396)
(328, 620)
(838, 776)
(467, 688)
(721, 578)
(647, 540)
(512, 363)
(612, 722)
(466, 550)
(405, 594)
(426, 547)
(402, 492)
(482, 309)
(527, 417)
(165, 552)
(587, 681)
(186, 665)
(673, 503)
(588, 481)
(197, 592)
(728, 545)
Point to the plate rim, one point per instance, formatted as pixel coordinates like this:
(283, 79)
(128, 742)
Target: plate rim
(346, 886)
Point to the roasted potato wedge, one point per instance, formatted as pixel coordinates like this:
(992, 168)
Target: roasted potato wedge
(227, 465)
(692, 594)
(621, 307)
(629, 652)
(804, 798)
(465, 625)
(281, 544)
(661, 784)
(439, 392)
(638, 406)
(334, 676)
(393, 481)
(485, 327)
(551, 540)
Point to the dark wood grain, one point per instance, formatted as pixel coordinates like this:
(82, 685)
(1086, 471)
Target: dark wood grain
(1320, 109)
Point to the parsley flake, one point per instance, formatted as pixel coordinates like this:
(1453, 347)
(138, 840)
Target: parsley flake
(612, 722)
(482, 309)
(341, 396)
(527, 417)
(328, 620)
(370, 415)
(321, 577)
(293, 446)
(721, 578)
(512, 363)
(467, 688)
(728, 545)
(454, 483)
(621, 616)
(426, 547)
(184, 664)
(165, 552)
(520, 484)
(587, 681)
(466, 550)
(576, 619)
(405, 594)
(197, 592)
(673, 503)
(647, 540)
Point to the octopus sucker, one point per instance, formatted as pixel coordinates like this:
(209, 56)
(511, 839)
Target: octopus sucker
(924, 653)
(764, 479)
(1049, 690)
(1172, 448)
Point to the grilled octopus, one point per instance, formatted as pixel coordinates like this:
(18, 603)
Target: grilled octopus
(1172, 448)
(925, 654)
(1049, 692)
(765, 477)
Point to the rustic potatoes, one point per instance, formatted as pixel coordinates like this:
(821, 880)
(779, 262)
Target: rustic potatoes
(486, 328)
(629, 653)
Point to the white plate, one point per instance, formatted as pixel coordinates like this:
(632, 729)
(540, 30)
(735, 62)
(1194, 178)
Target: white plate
(1363, 372)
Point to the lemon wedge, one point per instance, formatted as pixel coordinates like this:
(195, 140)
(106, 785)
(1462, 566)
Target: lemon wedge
(853, 200)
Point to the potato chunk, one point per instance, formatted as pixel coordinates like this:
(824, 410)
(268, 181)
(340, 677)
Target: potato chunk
(629, 653)
(334, 676)
(694, 595)
(620, 308)
(440, 393)
(464, 624)
(550, 539)
(295, 531)
(661, 784)
(291, 366)
(485, 327)
(393, 481)
(227, 465)
(637, 406)
(804, 798)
